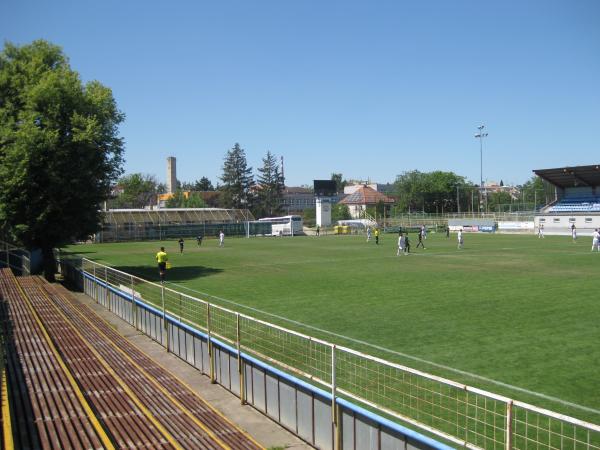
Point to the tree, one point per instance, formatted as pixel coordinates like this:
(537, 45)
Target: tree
(139, 190)
(181, 200)
(237, 179)
(310, 217)
(431, 192)
(59, 148)
(339, 182)
(340, 212)
(537, 190)
(203, 184)
(495, 200)
(270, 187)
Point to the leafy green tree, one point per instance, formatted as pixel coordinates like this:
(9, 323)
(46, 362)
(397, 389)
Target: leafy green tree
(180, 200)
(203, 184)
(537, 190)
(309, 216)
(269, 196)
(431, 192)
(495, 200)
(340, 183)
(237, 179)
(340, 212)
(139, 190)
(161, 188)
(59, 148)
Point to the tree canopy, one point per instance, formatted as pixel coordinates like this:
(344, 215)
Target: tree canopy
(139, 190)
(432, 191)
(203, 184)
(59, 148)
(340, 183)
(270, 188)
(237, 179)
(180, 200)
(537, 190)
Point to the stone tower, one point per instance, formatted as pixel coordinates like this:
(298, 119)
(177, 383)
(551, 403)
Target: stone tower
(171, 174)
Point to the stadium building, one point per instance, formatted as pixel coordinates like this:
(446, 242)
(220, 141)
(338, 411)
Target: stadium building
(172, 223)
(577, 200)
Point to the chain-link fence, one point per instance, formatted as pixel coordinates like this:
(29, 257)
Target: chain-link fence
(143, 232)
(458, 413)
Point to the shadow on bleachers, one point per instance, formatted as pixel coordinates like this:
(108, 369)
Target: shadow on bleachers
(22, 418)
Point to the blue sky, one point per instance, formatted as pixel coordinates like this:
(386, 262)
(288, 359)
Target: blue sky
(368, 89)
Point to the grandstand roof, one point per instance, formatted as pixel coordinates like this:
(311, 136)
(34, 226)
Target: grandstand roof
(365, 195)
(176, 215)
(571, 176)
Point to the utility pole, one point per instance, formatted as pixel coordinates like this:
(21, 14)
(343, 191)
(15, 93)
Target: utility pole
(482, 192)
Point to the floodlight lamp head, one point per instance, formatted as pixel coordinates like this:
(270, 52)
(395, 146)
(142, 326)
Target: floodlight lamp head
(481, 127)
(478, 135)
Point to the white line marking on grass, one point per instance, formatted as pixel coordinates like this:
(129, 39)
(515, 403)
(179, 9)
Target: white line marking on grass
(404, 355)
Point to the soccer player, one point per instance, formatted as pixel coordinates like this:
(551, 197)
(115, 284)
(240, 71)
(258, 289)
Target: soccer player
(221, 238)
(460, 239)
(421, 240)
(162, 258)
(447, 231)
(377, 236)
(400, 243)
(574, 232)
(199, 240)
(180, 245)
(318, 230)
(406, 245)
(540, 231)
(368, 234)
(596, 240)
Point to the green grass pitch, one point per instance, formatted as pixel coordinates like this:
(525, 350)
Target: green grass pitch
(522, 311)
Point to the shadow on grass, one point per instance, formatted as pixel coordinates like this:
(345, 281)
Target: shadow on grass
(68, 253)
(173, 274)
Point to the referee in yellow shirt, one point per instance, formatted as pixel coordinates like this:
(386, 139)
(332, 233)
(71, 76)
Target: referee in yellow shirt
(162, 259)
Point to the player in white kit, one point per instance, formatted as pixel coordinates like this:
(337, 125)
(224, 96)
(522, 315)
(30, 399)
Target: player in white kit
(596, 240)
(401, 243)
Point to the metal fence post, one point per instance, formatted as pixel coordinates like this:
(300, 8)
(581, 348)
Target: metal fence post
(106, 300)
(240, 362)
(164, 316)
(133, 305)
(333, 400)
(509, 432)
(95, 283)
(211, 361)
(180, 308)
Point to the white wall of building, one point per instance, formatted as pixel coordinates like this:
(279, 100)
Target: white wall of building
(561, 224)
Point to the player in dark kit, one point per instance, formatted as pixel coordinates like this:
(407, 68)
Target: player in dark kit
(421, 240)
(180, 245)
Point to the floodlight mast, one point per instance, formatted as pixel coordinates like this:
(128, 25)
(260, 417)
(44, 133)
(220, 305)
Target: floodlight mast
(480, 136)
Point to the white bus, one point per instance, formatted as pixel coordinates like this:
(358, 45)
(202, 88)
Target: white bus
(284, 226)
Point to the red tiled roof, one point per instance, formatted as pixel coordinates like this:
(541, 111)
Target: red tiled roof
(365, 195)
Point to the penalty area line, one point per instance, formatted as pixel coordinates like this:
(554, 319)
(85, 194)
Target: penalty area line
(404, 355)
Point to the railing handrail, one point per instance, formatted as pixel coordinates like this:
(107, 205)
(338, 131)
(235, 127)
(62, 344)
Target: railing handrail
(391, 364)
